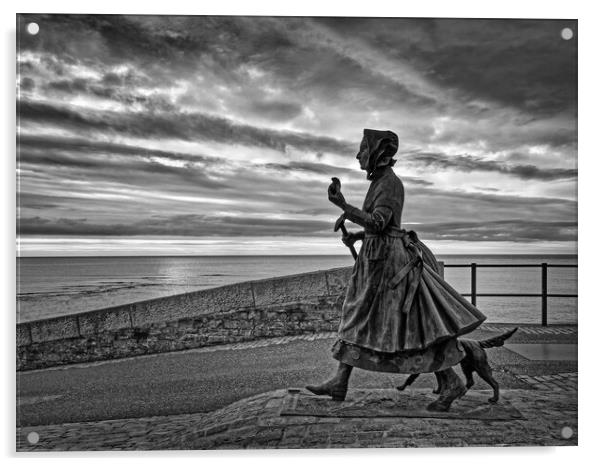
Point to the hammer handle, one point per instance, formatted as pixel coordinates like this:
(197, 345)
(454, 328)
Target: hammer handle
(351, 248)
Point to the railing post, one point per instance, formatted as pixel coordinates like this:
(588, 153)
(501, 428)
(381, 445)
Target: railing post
(473, 284)
(544, 294)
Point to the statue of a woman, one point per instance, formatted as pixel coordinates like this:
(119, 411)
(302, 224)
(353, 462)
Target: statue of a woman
(399, 315)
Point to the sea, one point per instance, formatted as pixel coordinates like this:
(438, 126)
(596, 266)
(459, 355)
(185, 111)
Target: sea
(57, 286)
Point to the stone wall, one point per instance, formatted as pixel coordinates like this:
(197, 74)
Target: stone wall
(290, 305)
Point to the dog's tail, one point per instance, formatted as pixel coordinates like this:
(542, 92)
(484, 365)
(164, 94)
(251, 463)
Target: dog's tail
(497, 341)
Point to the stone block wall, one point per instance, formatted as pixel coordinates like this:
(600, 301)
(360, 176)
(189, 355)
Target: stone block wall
(296, 304)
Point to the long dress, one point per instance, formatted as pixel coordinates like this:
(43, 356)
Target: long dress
(399, 315)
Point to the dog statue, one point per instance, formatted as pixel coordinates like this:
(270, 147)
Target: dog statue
(474, 361)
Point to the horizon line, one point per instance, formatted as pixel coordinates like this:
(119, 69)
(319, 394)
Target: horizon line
(281, 255)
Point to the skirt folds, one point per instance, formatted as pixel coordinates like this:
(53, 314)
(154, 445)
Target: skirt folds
(398, 306)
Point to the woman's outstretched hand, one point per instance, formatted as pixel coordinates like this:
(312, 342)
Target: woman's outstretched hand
(335, 195)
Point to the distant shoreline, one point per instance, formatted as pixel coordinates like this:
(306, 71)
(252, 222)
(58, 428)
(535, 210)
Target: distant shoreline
(289, 255)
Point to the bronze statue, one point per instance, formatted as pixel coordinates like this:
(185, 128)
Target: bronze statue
(399, 315)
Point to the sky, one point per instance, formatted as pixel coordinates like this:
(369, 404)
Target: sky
(219, 135)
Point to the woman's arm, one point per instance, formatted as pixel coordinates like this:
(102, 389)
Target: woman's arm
(376, 221)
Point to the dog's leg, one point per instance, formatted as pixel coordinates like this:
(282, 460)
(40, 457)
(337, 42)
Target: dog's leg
(486, 374)
(452, 388)
(409, 381)
(467, 369)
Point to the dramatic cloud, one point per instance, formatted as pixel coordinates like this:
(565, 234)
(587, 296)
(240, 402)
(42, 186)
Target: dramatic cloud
(467, 163)
(200, 225)
(175, 225)
(175, 125)
(228, 128)
(506, 230)
(520, 63)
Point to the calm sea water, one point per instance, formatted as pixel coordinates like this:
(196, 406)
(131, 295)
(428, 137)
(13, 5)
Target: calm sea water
(54, 286)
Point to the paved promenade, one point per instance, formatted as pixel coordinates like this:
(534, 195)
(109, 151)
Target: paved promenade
(540, 384)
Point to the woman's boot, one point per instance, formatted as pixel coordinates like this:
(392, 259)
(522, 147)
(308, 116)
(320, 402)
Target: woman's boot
(451, 388)
(335, 387)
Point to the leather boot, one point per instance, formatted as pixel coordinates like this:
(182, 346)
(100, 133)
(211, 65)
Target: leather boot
(451, 388)
(336, 387)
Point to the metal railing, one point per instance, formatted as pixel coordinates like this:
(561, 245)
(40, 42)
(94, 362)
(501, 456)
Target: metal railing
(544, 284)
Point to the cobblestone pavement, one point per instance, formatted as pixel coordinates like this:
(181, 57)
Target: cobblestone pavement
(550, 419)
(565, 382)
(532, 329)
(115, 434)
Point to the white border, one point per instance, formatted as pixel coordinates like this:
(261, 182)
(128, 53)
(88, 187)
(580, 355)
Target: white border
(590, 25)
